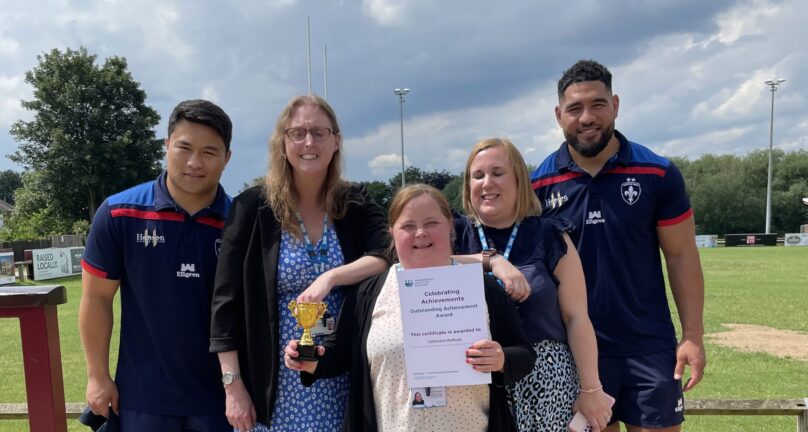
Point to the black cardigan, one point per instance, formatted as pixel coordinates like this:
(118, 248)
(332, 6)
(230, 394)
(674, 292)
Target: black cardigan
(244, 309)
(346, 350)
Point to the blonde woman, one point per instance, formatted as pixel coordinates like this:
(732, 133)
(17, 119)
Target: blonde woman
(504, 216)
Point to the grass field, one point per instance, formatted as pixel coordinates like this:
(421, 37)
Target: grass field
(762, 286)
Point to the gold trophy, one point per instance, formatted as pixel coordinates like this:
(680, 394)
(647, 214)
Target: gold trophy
(307, 315)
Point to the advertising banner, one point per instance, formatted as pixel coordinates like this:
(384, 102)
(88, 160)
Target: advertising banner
(795, 239)
(7, 275)
(706, 241)
(54, 263)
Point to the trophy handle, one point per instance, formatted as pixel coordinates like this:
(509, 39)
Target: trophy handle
(292, 306)
(321, 308)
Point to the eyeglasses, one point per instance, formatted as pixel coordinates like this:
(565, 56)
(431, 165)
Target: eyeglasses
(319, 134)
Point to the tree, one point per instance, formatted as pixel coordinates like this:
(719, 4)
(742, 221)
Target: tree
(728, 192)
(32, 218)
(789, 186)
(92, 133)
(437, 179)
(380, 193)
(254, 182)
(10, 181)
(411, 175)
(454, 193)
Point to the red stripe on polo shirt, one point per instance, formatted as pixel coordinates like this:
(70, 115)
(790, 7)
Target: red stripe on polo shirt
(209, 221)
(676, 220)
(151, 215)
(636, 170)
(555, 179)
(92, 270)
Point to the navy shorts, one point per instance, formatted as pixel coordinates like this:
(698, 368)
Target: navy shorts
(646, 393)
(134, 421)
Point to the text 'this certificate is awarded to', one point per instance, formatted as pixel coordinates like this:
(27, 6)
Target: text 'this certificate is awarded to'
(443, 312)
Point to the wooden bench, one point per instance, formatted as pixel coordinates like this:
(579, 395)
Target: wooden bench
(20, 411)
(796, 407)
(35, 307)
(789, 407)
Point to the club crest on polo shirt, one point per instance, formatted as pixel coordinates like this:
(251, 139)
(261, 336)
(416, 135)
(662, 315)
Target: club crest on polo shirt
(556, 200)
(630, 191)
(152, 239)
(187, 271)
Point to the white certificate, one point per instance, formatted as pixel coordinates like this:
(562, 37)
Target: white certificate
(443, 312)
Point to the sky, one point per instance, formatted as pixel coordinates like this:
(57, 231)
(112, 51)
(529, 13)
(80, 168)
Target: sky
(689, 73)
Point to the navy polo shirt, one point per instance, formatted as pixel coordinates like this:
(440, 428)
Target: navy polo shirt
(617, 214)
(165, 260)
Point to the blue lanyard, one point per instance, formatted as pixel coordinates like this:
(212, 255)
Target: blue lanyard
(484, 241)
(319, 258)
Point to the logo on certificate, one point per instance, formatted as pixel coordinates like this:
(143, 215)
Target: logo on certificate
(408, 283)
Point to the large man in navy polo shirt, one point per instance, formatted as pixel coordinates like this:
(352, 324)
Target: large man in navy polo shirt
(158, 242)
(627, 203)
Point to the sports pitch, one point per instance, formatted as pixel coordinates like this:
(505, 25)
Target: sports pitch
(746, 289)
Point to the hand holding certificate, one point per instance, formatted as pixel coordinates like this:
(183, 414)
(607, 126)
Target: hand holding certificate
(445, 321)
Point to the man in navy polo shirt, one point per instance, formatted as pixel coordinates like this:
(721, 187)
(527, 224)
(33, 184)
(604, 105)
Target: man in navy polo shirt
(159, 242)
(627, 203)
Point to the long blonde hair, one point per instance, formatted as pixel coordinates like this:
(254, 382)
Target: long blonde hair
(279, 182)
(526, 202)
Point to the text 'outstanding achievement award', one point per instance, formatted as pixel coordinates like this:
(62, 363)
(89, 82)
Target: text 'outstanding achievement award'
(443, 312)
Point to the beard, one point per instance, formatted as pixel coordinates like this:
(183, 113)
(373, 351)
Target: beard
(594, 149)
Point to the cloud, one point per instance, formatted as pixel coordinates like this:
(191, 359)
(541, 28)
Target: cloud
(384, 165)
(8, 47)
(12, 89)
(156, 22)
(209, 93)
(719, 141)
(396, 13)
(743, 21)
(689, 73)
(384, 12)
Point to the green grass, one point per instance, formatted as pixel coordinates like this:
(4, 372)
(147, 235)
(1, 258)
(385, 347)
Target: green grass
(12, 384)
(762, 286)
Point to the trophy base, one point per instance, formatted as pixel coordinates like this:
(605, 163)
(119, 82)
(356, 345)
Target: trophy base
(307, 353)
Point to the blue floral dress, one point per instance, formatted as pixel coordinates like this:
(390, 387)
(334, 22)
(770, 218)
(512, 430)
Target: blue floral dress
(320, 407)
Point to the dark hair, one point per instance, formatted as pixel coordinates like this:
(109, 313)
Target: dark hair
(203, 112)
(584, 70)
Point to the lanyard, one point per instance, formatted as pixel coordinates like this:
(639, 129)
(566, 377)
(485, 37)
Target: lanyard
(484, 241)
(319, 258)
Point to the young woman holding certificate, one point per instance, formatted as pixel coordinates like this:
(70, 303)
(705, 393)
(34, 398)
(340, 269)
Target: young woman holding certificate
(504, 217)
(369, 337)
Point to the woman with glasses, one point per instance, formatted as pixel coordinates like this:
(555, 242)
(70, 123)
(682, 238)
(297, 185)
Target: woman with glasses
(301, 236)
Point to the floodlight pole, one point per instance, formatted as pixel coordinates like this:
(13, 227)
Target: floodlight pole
(401, 93)
(772, 83)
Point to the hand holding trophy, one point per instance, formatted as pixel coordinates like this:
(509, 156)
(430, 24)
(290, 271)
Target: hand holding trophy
(307, 315)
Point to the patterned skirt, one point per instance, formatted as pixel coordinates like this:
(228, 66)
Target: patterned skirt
(542, 400)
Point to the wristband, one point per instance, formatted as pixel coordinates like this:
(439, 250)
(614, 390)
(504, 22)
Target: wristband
(487, 254)
(591, 390)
